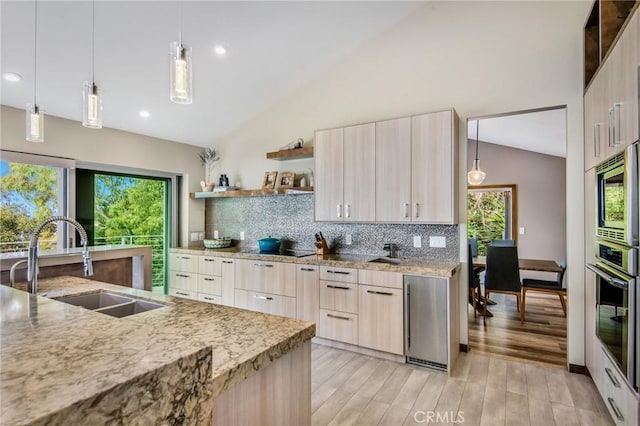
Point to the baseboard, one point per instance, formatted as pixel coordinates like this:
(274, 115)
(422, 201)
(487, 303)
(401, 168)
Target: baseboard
(359, 349)
(464, 348)
(578, 369)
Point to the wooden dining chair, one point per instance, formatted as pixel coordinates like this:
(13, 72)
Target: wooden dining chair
(544, 286)
(502, 275)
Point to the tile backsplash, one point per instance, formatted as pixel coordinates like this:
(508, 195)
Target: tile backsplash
(290, 218)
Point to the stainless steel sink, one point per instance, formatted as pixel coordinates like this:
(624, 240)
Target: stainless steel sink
(95, 301)
(111, 304)
(385, 260)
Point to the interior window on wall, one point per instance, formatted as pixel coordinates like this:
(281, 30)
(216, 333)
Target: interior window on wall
(32, 188)
(490, 215)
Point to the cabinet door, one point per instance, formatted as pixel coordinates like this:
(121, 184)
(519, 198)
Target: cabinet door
(209, 284)
(339, 296)
(623, 78)
(183, 280)
(228, 282)
(328, 158)
(183, 262)
(307, 293)
(432, 168)
(359, 173)
(183, 293)
(340, 326)
(594, 128)
(208, 265)
(591, 347)
(268, 303)
(380, 319)
(267, 277)
(590, 210)
(393, 170)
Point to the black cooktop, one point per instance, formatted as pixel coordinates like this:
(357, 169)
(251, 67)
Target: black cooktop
(287, 252)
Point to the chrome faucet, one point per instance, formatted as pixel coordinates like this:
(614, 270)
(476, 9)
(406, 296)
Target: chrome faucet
(390, 248)
(32, 259)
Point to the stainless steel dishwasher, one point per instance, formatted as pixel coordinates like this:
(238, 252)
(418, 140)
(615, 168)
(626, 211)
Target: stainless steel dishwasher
(425, 321)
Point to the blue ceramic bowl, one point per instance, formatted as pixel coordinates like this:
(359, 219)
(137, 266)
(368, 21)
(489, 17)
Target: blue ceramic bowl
(269, 244)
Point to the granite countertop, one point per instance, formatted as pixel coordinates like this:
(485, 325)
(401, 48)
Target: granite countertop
(58, 361)
(69, 251)
(405, 266)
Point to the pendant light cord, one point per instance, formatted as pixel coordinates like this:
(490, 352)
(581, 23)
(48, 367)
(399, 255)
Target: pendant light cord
(477, 133)
(93, 42)
(35, 55)
(180, 7)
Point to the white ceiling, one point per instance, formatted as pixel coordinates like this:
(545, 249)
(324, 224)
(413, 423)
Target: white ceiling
(273, 48)
(540, 131)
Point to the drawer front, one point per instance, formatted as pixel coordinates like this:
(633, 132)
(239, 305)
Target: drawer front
(208, 265)
(266, 277)
(209, 298)
(617, 396)
(380, 278)
(183, 262)
(330, 273)
(340, 326)
(338, 296)
(380, 324)
(183, 280)
(210, 284)
(264, 302)
(183, 293)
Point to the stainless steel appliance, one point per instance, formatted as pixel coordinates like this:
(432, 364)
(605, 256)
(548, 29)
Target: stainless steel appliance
(617, 197)
(616, 317)
(425, 321)
(621, 257)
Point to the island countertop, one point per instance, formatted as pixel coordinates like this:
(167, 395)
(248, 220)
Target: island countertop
(63, 364)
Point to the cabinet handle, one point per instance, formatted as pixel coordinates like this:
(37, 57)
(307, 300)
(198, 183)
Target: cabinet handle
(347, 210)
(339, 211)
(616, 124)
(185, 257)
(338, 317)
(416, 212)
(613, 379)
(338, 272)
(612, 135)
(615, 409)
(596, 140)
(263, 265)
(307, 269)
(209, 298)
(337, 287)
(383, 293)
(406, 209)
(209, 279)
(182, 275)
(263, 297)
(181, 293)
(227, 261)
(207, 259)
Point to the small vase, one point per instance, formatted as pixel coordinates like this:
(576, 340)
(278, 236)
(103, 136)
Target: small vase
(207, 187)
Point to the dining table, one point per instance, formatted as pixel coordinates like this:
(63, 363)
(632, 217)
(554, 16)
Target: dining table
(541, 265)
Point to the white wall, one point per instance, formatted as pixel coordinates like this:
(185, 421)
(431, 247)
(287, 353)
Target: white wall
(481, 58)
(67, 138)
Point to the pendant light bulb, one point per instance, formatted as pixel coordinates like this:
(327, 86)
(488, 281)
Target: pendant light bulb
(181, 73)
(91, 105)
(35, 123)
(476, 176)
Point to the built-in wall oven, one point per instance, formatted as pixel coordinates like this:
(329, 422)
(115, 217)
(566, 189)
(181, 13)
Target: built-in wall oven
(616, 317)
(617, 197)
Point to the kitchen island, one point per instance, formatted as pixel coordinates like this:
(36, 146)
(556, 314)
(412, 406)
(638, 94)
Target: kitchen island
(188, 362)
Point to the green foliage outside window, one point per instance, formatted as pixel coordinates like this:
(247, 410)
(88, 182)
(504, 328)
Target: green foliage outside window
(485, 217)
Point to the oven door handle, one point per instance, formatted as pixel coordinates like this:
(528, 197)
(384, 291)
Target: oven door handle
(616, 282)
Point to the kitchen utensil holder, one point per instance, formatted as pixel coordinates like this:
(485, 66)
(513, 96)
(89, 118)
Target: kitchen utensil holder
(321, 247)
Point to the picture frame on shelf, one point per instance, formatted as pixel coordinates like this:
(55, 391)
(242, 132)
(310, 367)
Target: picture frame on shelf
(286, 180)
(269, 181)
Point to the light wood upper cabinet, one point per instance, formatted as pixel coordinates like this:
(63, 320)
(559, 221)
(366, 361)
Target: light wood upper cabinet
(595, 124)
(329, 165)
(393, 171)
(590, 211)
(433, 156)
(359, 173)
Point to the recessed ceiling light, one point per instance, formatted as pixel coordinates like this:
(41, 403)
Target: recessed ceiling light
(220, 50)
(144, 113)
(12, 76)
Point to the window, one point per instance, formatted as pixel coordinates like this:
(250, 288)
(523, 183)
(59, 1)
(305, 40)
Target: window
(491, 214)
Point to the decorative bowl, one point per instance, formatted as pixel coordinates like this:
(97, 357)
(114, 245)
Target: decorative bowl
(218, 243)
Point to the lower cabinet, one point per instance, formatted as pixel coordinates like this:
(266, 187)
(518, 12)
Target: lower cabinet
(185, 281)
(380, 319)
(616, 394)
(266, 302)
(228, 282)
(209, 298)
(307, 293)
(183, 293)
(340, 326)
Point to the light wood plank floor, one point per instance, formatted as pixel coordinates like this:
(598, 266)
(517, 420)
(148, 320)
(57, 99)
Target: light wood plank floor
(542, 338)
(354, 389)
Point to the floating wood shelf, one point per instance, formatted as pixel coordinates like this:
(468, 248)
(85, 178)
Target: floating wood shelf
(291, 154)
(253, 192)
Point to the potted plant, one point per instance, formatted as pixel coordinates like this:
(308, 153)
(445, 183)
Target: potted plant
(208, 157)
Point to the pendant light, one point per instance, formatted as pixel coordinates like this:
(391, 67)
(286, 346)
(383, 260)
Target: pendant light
(91, 95)
(180, 70)
(475, 176)
(35, 115)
